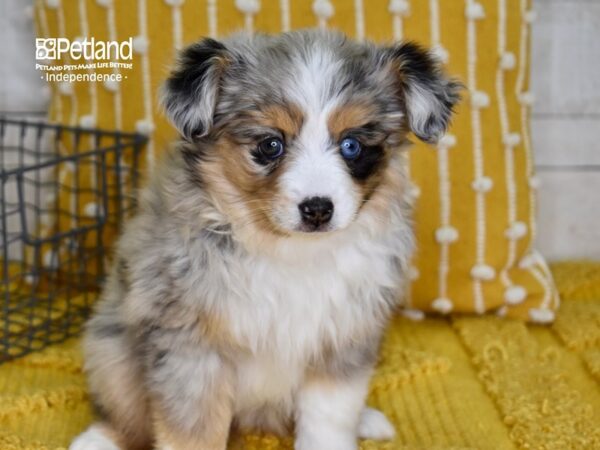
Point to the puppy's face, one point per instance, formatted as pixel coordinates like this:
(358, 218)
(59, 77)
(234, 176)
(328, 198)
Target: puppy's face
(296, 133)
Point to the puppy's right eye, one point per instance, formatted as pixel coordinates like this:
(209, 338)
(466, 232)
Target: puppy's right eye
(271, 148)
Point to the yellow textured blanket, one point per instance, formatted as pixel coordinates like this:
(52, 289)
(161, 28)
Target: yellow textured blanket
(464, 382)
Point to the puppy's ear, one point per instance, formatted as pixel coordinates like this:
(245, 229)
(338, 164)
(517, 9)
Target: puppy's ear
(189, 96)
(429, 94)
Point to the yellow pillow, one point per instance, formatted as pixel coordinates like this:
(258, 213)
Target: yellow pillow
(474, 192)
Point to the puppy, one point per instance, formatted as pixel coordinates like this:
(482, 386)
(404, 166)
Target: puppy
(270, 247)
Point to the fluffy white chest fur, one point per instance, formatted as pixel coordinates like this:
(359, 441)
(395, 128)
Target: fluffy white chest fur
(288, 307)
(287, 310)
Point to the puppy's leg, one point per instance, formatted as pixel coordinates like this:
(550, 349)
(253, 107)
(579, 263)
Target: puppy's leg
(116, 386)
(328, 412)
(192, 398)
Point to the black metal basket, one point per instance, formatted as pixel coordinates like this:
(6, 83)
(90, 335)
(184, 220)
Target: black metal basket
(64, 192)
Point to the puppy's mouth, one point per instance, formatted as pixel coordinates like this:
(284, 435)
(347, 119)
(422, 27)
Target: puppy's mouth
(302, 227)
(298, 226)
(314, 228)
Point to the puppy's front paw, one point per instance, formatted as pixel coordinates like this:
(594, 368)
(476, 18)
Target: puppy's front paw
(95, 437)
(374, 425)
(326, 441)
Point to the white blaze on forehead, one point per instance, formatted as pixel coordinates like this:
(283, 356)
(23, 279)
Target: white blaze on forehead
(316, 168)
(313, 77)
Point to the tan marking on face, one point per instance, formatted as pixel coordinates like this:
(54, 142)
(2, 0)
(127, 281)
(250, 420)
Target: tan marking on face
(390, 187)
(247, 195)
(232, 172)
(347, 117)
(369, 186)
(288, 119)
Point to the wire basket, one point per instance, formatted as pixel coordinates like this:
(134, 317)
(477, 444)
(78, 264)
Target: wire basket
(64, 192)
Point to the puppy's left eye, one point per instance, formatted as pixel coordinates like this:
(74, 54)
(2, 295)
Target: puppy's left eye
(350, 148)
(271, 148)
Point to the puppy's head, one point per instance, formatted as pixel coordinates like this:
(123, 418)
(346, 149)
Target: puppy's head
(295, 133)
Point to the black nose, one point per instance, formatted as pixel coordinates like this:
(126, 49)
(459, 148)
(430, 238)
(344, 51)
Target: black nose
(316, 211)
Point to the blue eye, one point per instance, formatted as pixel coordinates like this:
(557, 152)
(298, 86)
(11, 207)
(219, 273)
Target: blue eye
(350, 148)
(272, 148)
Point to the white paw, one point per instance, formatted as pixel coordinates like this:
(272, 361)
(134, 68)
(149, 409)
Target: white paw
(94, 438)
(326, 440)
(374, 425)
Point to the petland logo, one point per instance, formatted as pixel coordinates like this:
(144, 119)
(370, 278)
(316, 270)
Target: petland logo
(83, 57)
(57, 48)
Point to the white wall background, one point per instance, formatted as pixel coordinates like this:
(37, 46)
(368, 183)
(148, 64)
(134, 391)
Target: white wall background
(566, 126)
(566, 116)
(21, 88)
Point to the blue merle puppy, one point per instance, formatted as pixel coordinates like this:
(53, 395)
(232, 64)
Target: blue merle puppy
(270, 248)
